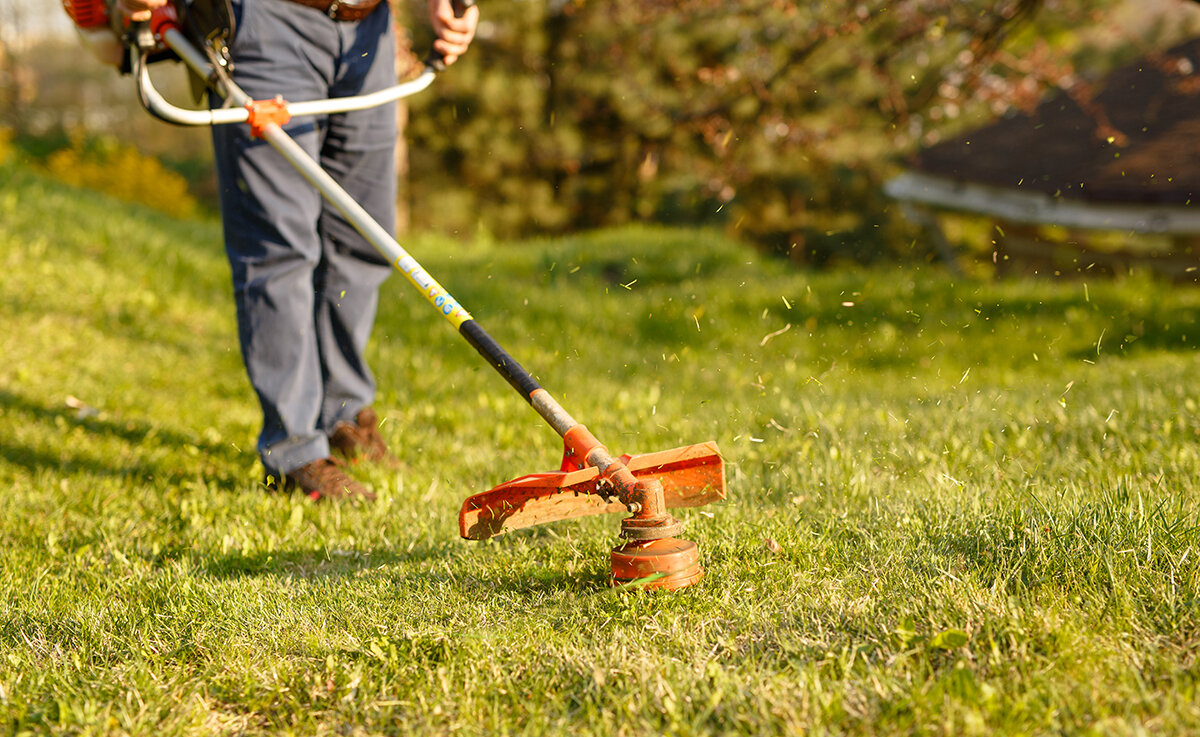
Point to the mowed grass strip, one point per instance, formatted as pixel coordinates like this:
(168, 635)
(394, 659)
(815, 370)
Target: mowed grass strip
(956, 506)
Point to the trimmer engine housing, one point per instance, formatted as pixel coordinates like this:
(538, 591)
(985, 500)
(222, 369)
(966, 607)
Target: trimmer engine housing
(106, 33)
(208, 23)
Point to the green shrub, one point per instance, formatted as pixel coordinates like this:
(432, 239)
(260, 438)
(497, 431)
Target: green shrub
(122, 171)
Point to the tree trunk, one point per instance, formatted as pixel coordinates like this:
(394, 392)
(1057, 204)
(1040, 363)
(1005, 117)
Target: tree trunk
(406, 63)
(403, 204)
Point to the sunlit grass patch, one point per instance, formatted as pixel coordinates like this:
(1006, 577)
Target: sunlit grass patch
(956, 507)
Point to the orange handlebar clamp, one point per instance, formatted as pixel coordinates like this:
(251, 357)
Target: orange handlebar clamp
(265, 112)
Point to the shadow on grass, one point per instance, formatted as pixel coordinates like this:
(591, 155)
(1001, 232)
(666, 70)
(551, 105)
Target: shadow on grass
(56, 423)
(419, 566)
(553, 582)
(313, 563)
(1146, 331)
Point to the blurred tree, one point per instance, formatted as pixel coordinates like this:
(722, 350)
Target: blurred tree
(773, 117)
(13, 76)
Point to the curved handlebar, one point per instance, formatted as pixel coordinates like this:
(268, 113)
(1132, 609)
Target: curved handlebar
(161, 108)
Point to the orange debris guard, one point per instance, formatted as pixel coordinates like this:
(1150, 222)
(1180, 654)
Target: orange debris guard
(691, 476)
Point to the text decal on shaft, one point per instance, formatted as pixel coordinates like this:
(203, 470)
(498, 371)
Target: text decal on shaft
(434, 292)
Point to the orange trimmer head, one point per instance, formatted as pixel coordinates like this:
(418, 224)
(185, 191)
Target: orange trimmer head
(646, 485)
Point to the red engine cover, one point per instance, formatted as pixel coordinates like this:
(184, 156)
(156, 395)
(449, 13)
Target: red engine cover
(87, 13)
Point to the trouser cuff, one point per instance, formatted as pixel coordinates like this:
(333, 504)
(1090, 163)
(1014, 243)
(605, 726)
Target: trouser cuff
(290, 454)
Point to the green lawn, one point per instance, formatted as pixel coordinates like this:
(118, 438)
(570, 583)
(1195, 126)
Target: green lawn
(982, 496)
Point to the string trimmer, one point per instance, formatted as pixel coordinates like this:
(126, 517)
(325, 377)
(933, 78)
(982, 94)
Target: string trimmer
(590, 479)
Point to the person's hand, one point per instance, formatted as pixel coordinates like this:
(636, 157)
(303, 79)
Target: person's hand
(138, 10)
(453, 34)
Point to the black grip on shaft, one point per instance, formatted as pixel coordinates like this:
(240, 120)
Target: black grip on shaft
(508, 367)
(435, 60)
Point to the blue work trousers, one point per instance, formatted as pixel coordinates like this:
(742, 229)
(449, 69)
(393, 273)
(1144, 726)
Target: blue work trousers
(306, 284)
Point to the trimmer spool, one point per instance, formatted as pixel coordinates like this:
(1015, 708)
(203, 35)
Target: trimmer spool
(676, 562)
(652, 551)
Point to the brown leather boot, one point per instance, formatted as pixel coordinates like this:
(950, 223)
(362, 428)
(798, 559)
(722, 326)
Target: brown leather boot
(361, 439)
(323, 479)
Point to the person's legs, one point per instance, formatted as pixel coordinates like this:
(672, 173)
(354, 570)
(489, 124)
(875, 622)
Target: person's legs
(270, 216)
(358, 153)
